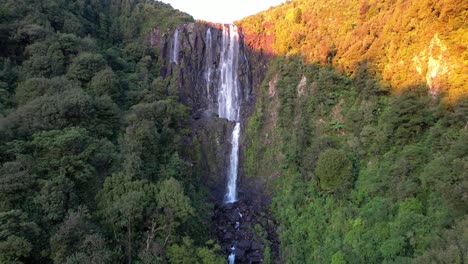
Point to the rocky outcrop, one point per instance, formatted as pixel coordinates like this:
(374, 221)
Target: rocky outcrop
(245, 228)
(190, 59)
(195, 56)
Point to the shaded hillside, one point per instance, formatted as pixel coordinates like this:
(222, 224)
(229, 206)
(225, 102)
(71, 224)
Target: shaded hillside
(404, 43)
(91, 138)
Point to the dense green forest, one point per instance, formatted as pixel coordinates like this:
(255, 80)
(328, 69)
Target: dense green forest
(404, 42)
(363, 141)
(364, 176)
(90, 138)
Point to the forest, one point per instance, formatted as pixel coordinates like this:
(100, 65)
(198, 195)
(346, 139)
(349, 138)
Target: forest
(375, 169)
(359, 132)
(90, 138)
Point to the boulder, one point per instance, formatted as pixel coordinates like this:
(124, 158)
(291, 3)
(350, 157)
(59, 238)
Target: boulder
(240, 254)
(244, 244)
(256, 246)
(255, 257)
(228, 236)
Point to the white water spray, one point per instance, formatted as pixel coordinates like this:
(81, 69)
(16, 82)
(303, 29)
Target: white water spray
(229, 101)
(209, 62)
(228, 94)
(232, 256)
(175, 49)
(231, 194)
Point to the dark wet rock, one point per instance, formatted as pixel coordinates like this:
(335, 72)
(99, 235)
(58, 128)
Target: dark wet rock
(244, 244)
(256, 246)
(248, 246)
(240, 254)
(255, 257)
(228, 236)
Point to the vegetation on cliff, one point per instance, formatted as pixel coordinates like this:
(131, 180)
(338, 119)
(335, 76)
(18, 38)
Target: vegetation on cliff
(403, 43)
(358, 175)
(364, 164)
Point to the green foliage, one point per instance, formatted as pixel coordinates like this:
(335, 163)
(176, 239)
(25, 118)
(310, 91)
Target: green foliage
(106, 82)
(94, 250)
(187, 253)
(85, 66)
(17, 236)
(75, 87)
(395, 165)
(57, 111)
(380, 38)
(338, 258)
(36, 87)
(334, 170)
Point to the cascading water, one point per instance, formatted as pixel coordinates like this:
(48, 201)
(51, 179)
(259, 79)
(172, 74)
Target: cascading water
(231, 193)
(229, 101)
(229, 108)
(175, 49)
(209, 62)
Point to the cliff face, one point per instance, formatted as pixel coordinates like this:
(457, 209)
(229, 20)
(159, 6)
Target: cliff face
(191, 60)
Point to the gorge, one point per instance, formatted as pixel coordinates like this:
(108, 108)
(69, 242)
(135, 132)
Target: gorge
(312, 132)
(220, 94)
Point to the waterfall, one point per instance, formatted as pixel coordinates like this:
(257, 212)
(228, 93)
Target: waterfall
(231, 193)
(175, 50)
(229, 101)
(209, 62)
(228, 94)
(232, 258)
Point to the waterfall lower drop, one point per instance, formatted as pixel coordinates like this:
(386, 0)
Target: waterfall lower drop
(175, 49)
(229, 101)
(232, 257)
(231, 193)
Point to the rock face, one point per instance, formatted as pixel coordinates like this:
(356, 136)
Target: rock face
(191, 61)
(198, 62)
(246, 227)
(190, 57)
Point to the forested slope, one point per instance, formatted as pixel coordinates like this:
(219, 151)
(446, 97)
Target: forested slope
(90, 137)
(402, 43)
(364, 153)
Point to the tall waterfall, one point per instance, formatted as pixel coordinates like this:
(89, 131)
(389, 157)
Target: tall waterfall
(175, 49)
(209, 62)
(229, 101)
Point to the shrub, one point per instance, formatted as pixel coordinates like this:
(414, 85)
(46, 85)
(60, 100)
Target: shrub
(334, 170)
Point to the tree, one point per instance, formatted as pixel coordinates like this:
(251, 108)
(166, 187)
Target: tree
(38, 86)
(94, 250)
(16, 180)
(122, 203)
(186, 252)
(85, 66)
(334, 170)
(105, 82)
(72, 234)
(16, 236)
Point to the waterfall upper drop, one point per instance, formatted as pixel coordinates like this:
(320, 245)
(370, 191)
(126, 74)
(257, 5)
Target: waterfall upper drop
(175, 49)
(229, 102)
(228, 93)
(208, 62)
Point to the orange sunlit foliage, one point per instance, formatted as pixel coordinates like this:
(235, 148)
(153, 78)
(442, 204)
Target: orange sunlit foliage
(407, 41)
